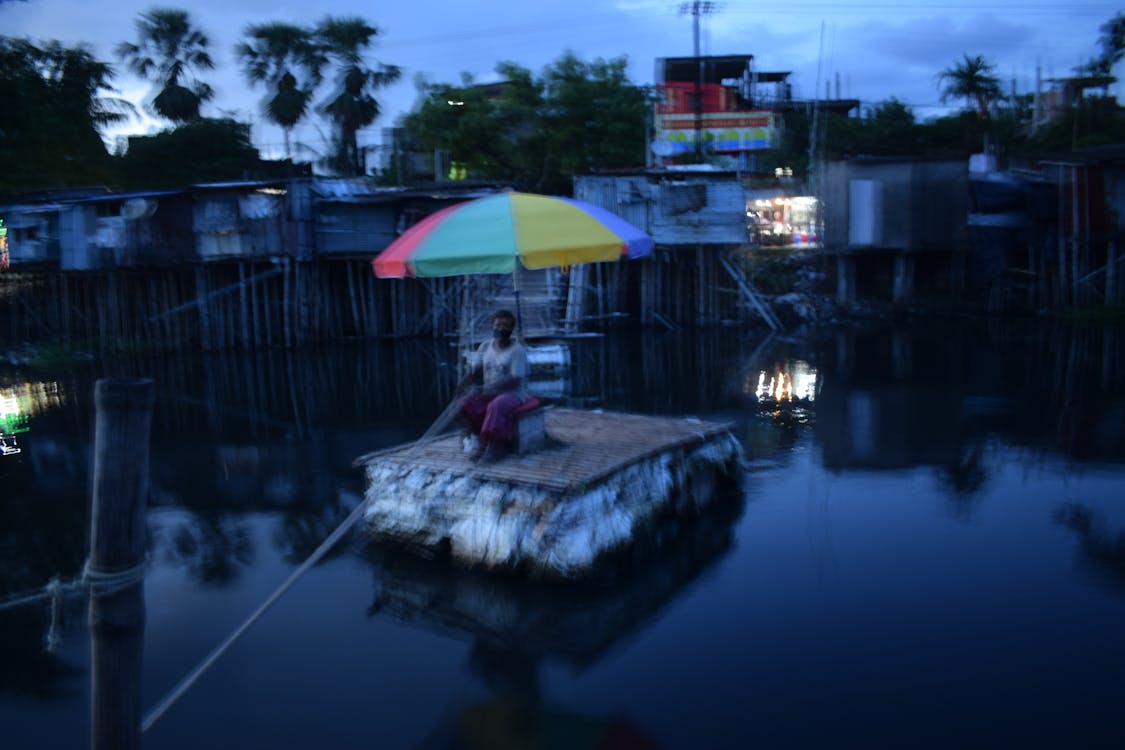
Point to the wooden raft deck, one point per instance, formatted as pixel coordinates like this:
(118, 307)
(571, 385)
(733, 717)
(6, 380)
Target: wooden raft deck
(603, 479)
(584, 448)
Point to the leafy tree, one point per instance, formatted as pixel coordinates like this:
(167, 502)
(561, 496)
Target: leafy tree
(353, 105)
(891, 127)
(168, 50)
(204, 150)
(594, 117)
(1093, 121)
(52, 137)
(463, 122)
(284, 57)
(536, 131)
(886, 128)
(522, 131)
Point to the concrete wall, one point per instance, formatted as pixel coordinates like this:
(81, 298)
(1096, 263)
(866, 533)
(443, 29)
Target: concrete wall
(924, 204)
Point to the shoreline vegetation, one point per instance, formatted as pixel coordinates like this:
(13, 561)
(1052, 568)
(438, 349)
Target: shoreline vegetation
(535, 130)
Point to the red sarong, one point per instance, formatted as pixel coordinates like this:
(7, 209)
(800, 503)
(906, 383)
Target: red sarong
(492, 415)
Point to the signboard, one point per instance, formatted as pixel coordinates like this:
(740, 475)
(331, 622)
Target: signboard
(723, 132)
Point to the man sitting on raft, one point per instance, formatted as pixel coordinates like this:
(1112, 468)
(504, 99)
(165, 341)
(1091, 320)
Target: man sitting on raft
(489, 412)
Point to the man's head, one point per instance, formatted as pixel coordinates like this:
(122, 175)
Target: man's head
(503, 323)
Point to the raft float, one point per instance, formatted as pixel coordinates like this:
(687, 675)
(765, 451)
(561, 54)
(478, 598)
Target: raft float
(600, 481)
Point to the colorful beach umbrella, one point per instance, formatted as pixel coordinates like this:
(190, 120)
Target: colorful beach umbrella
(495, 233)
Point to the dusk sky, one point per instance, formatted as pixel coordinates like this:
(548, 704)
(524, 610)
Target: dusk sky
(876, 49)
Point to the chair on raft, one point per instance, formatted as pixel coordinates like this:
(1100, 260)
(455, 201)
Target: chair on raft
(531, 426)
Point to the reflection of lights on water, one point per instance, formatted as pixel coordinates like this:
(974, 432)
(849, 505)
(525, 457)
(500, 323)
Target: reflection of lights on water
(8, 446)
(794, 381)
(10, 420)
(18, 404)
(3, 246)
(30, 399)
(10, 412)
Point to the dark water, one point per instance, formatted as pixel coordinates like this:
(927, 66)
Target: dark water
(929, 550)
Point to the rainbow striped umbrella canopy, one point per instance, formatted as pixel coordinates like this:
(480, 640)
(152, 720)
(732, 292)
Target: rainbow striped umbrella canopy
(492, 234)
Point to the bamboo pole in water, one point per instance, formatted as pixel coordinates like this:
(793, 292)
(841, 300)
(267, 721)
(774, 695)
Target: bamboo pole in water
(370, 321)
(1088, 243)
(1111, 274)
(285, 320)
(1075, 292)
(116, 620)
(1061, 224)
(204, 316)
(255, 312)
(268, 309)
(349, 279)
(243, 308)
(300, 303)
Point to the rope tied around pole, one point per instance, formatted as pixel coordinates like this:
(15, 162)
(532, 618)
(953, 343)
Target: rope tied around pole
(105, 583)
(90, 580)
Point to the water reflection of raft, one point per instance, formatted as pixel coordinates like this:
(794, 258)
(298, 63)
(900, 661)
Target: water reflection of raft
(603, 479)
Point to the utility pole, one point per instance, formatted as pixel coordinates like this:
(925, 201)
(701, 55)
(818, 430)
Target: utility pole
(698, 8)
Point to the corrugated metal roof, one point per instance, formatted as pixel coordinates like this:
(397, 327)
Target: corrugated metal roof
(360, 190)
(234, 185)
(128, 196)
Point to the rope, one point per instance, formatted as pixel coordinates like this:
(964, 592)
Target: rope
(182, 687)
(52, 640)
(192, 677)
(105, 583)
(92, 580)
(23, 598)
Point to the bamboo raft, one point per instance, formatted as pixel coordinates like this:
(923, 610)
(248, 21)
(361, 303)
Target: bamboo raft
(602, 480)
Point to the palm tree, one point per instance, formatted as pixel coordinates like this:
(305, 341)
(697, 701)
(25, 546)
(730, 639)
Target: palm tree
(272, 54)
(353, 106)
(974, 80)
(77, 81)
(168, 49)
(1112, 42)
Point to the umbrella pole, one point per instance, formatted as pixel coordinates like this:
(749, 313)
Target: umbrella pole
(519, 313)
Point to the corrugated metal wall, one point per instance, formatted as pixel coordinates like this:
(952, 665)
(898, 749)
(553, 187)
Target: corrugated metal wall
(628, 197)
(675, 210)
(699, 211)
(923, 204)
(350, 229)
